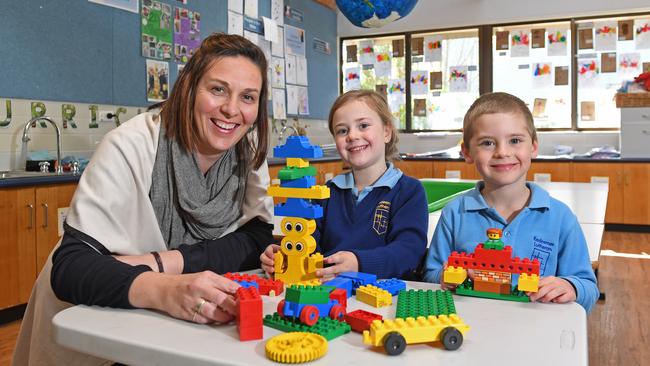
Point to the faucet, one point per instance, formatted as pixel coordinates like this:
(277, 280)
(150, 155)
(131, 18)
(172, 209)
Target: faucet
(59, 167)
(284, 128)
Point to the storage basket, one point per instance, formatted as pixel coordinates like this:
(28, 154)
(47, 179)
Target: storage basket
(632, 100)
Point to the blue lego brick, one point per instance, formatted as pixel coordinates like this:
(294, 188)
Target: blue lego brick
(359, 279)
(298, 207)
(341, 282)
(392, 285)
(304, 182)
(293, 309)
(298, 147)
(248, 284)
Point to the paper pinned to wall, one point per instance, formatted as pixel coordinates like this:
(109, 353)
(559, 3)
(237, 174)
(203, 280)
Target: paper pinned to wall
(303, 101)
(642, 33)
(277, 48)
(277, 11)
(382, 64)
(157, 80)
(542, 75)
(352, 78)
(588, 73)
(236, 6)
(419, 82)
(278, 72)
(608, 62)
(366, 52)
(587, 111)
(435, 80)
(502, 40)
(290, 69)
(187, 33)
(292, 99)
(561, 75)
(251, 8)
(301, 71)
(279, 105)
(458, 79)
(605, 39)
(539, 108)
(235, 23)
(626, 30)
(629, 63)
(156, 28)
(432, 48)
(520, 43)
(538, 38)
(270, 29)
(294, 39)
(585, 38)
(557, 42)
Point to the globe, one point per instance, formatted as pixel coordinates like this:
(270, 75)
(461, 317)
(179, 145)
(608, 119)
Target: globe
(374, 13)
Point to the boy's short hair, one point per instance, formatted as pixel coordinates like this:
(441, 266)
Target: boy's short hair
(499, 102)
(377, 103)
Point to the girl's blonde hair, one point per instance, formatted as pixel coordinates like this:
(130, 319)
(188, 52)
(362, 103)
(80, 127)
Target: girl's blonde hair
(377, 103)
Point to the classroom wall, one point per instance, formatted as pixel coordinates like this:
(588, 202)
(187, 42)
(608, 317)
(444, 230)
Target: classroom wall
(437, 14)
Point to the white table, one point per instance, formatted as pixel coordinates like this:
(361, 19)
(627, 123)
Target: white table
(502, 332)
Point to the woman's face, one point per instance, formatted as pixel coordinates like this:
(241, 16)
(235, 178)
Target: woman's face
(226, 105)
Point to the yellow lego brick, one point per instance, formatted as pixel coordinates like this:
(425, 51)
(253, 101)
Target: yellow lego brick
(312, 282)
(297, 163)
(315, 192)
(297, 226)
(374, 296)
(292, 260)
(314, 262)
(529, 283)
(455, 275)
(414, 330)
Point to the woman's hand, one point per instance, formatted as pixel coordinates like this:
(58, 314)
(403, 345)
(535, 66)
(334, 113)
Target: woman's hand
(553, 289)
(338, 262)
(204, 297)
(267, 258)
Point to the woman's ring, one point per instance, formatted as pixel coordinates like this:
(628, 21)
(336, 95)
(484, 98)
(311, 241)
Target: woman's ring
(197, 311)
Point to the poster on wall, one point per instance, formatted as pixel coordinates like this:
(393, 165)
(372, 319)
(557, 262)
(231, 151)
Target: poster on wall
(520, 43)
(292, 99)
(157, 80)
(629, 63)
(277, 80)
(156, 28)
(432, 48)
(128, 5)
(366, 52)
(626, 30)
(588, 73)
(561, 75)
(542, 75)
(303, 101)
(605, 39)
(352, 78)
(587, 111)
(235, 23)
(279, 104)
(382, 64)
(585, 39)
(301, 71)
(290, 69)
(538, 38)
(539, 108)
(642, 33)
(277, 48)
(419, 82)
(396, 96)
(251, 8)
(435, 80)
(187, 33)
(502, 40)
(557, 42)
(236, 6)
(277, 11)
(294, 40)
(608, 62)
(419, 107)
(458, 79)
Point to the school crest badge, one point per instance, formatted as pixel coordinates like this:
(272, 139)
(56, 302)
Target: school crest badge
(380, 221)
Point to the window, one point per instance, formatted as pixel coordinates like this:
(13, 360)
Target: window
(533, 62)
(444, 78)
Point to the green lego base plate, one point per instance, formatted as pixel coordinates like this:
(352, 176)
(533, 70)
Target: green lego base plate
(326, 327)
(414, 303)
(466, 290)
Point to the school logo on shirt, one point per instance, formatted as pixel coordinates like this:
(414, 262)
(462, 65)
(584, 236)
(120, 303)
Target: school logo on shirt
(380, 221)
(541, 251)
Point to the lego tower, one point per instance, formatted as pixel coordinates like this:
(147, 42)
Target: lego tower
(295, 262)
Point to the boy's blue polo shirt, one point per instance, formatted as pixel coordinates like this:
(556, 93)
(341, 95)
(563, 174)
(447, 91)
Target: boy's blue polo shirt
(388, 179)
(545, 229)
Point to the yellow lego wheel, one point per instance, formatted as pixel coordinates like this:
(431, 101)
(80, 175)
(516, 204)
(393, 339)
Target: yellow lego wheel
(296, 347)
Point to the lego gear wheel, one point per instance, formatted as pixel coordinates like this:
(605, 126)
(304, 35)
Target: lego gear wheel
(296, 347)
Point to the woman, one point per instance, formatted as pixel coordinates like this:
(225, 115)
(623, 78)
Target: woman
(182, 192)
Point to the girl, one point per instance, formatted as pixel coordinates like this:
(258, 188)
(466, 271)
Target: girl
(375, 220)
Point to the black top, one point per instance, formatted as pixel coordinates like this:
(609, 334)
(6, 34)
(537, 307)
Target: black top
(85, 272)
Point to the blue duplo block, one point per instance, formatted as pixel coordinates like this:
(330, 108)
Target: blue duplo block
(341, 282)
(248, 284)
(298, 147)
(392, 285)
(298, 207)
(304, 182)
(359, 279)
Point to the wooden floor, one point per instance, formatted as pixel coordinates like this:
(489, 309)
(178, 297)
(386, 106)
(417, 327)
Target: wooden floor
(619, 327)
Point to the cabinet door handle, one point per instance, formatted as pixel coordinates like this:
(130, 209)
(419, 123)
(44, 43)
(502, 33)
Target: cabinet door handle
(30, 225)
(45, 214)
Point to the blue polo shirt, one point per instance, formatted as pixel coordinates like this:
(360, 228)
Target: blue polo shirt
(388, 179)
(546, 229)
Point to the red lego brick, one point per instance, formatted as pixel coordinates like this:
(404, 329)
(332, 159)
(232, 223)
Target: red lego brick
(360, 320)
(251, 333)
(249, 314)
(266, 285)
(492, 259)
(341, 296)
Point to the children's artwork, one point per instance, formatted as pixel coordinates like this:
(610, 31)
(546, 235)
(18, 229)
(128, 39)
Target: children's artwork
(642, 33)
(629, 63)
(292, 99)
(303, 101)
(419, 107)
(156, 21)
(250, 8)
(605, 39)
(277, 11)
(236, 6)
(561, 75)
(587, 111)
(432, 48)
(539, 108)
(290, 69)
(396, 87)
(277, 80)
(419, 82)
(626, 30)
(538, 38)
(352, 78)
(520, 43)
(235, 23)
(294, 39)
(187, 37)
(277, 48)
(502, 40)
(587, 73)
(301, 71)
(367, 52)
(417, 46)
(458, 79)
(270, 30)
(157, 80)
(279, 105)
(351, 53)
(585, 38)
(398, 48)
(435, 80)
(608, 62)
(557, 41)
(382, 64)
(542, 75)
(382, 89)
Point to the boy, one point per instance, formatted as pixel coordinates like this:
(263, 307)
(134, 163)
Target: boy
(500, 139)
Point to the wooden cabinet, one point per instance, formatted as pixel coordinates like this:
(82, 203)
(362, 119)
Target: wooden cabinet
(416, 169)
(29, 225)
(554, 171)
(449, 169)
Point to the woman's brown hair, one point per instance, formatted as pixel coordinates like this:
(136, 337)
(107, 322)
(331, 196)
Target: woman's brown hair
(377, 103)
(178, 111)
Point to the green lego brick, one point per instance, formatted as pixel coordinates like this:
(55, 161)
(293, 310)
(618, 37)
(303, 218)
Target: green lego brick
(326, 327)
(414, 303)
(465, 289)
(288, 173)
(308, 294)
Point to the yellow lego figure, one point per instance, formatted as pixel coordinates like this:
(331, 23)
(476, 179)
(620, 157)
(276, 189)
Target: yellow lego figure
(293, 262)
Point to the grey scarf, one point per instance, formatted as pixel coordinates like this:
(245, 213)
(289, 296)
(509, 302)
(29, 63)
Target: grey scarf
(191, 207)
